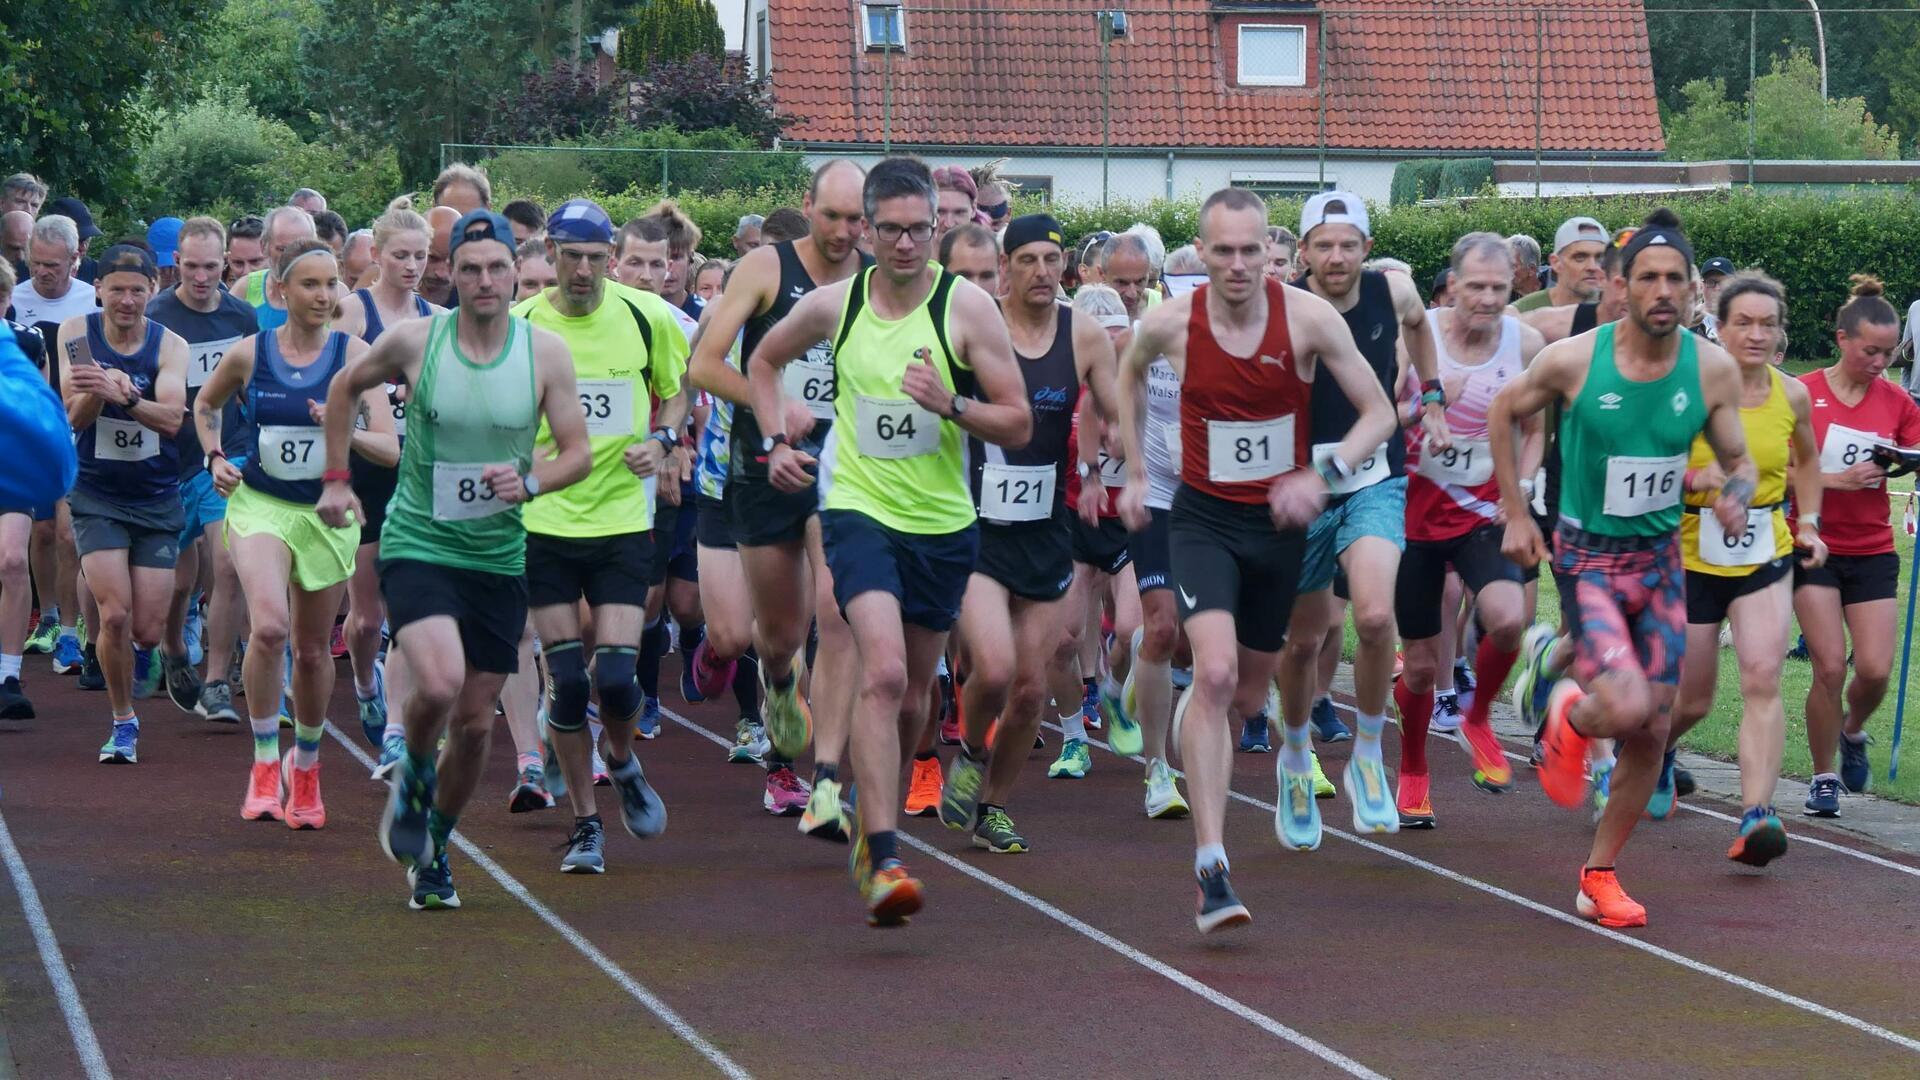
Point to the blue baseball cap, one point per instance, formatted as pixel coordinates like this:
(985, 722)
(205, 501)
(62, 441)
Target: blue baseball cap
(163, 236)
(581, 221)
(480, 225)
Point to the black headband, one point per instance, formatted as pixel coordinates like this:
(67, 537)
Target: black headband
(1655, 236)
(1032, 229)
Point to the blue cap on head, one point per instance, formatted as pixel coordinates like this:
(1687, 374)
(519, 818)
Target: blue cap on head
(163, 236)
(580, 221)
(480, 225)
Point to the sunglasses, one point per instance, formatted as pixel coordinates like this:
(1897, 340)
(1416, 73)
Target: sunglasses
(996, 212)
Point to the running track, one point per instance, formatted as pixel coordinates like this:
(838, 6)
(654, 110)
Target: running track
(199, 945)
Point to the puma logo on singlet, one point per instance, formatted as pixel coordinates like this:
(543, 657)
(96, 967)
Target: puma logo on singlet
(1279, 363)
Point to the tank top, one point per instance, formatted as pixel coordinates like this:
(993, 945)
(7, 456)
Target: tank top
(1244, 420)
(1707, 548)
(1453, 492)
(716, 444)
(209, 335)
(1625, 444)
(894, 461)
(121, 459)
(375, 326)
(1161, 437)
(465, 416)
(1028, 485)
(1375, 326)
(370, 332)
(809, 380)
(1585, 318)
(290, 450)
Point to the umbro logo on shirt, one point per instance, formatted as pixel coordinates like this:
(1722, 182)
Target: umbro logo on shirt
(1610, 401)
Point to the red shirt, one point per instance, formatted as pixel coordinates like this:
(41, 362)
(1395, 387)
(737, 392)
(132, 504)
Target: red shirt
(1858, 522)
(1112, 470)
(1253, 410)
(1454, 493)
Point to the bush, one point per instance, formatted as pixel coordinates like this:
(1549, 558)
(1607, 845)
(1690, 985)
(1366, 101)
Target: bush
(716, 212)
(1465, 176)
(215, 151)
(713, 160)
(1416, 180)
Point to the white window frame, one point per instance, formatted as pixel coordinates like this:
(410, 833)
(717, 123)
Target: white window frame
(866, 28)
(1240, 55)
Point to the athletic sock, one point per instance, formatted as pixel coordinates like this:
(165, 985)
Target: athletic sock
(1416, 711)
(526, 760)
(1296, 752)
(9, 666)
(825, 771)
(266, 739)
(1073, 725)
(690, 639)
(1491, 664)
(1600, 754)
(1109, 687)
(50, 616)
(395, 728)
(653, 645)
(1206, 855)
(439, 826)
(1857, 738)
(363, 691)
(882, 846)
(306, 745)
(68, 630)
(746, 686)
(1366, 736)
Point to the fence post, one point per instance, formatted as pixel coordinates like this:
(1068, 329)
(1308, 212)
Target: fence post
(1321, 62)
(886, 84)
(666, 173)
(1104, 22)
(1539, 92)
(1753, 99)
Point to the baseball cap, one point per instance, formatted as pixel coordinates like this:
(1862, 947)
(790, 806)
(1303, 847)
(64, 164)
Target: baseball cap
(125, 259)
(1032, 229)
(1576, 229)
(77, 210)
(580, 221)
(480, 225)
(1334, 208)
(163, 236)
(1719, 264)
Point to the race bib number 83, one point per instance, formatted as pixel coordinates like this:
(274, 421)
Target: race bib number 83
(459, 493)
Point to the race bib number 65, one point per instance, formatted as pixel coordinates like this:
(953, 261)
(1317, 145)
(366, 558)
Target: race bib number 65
(459, 493)
(1643, 485)
(1752, 546)
(1245, 450)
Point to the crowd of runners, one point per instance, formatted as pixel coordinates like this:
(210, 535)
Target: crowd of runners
(913, 472)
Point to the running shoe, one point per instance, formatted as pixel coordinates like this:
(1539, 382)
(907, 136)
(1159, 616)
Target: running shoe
(337, 642)
(1090, 707)
(1327, 725)
(1463, 679)
(1602, 787)
(585, 847)
(1180, 715)
(1322, 787)
(91, 677)
(123, 747)
(1761, 839)
(641, 810)
(960, 795)
(45, 634)
(13, 702)
(1373, 805)
(1447, 718)
(530, 792)
(393, 748)
(923, 789)
(749, 742)
(1603, 900)
(786, 794)
(433, 886)
(1296, 815)
(67, 657)
(304, 808)
(1073, 763)
(1253, 735)
(951, 727)
(994, 831)
(709, 679)
(1491, 773)
(1856, 772)
(403, 821)
(1412, 801)
(892, 895)
(195, 633)
(236, 676)
(823, 817)
(789, 723)
(599, 766)
(183, 683)
(1563, 765)
(80, 629)
(1660, 803)
(373, 710)
(263, 794)
(1182, 677)
(1683, 784)
(1530, 682)
(1123, 734)
(1218, 907)
(1823, 798)
(647, 725)
(1163, 794)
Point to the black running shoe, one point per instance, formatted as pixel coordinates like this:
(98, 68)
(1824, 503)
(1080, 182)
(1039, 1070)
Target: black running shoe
(1219, 908)
(1855, 770)
(91, 677)
(13, 703)
(1823, 798)
(433, 886)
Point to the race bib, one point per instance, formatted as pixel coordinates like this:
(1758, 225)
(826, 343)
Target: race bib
(1751, 547)
(1371, 471)
(292, 453)
(203, 357)
(1464, 463)
(608, 404)
(810, 381)
(1113, 471)
(1017, 492)
(894, 428)
(1245, 450)
(399, 408)
(1643, 485)
(1845, 447)
(459, 494)
(123, 440)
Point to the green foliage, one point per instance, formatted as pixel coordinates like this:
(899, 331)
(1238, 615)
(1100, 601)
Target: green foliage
(716, 212)
(711, 160)
(666, 30)
(1424, 178)
(1791, 120)
(1465, 176)
(255, 45)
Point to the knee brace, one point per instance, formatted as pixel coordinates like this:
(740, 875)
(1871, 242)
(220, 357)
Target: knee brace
(613, 677)
(567, 686)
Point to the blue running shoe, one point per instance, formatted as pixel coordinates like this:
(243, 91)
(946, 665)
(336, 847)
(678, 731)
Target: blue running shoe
(91, 677)
(1761, 839)
(124, 747)
(373, 710)
(195, 633)
(640, 807)
(1327, 725)
(1602, 788)
(1856, 772)
(403, 823)
(550, 761)
(1254, 738)
(1296, 813)
(67, 657)
(1532, 681)
(1374, 810)
(433, 886)
(1660, 805)
(1823, 798)
(393, 750)
(1123, 734)
(648, 726)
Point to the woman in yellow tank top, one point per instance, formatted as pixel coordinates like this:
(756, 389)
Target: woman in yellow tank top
(1745, 578)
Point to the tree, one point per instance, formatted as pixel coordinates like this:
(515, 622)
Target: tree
(663, 30)
(254, 45)
(1792, 120)
(696, 94)
(563, 102)
(73, 72)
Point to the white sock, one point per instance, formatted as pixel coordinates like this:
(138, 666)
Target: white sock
(9, 666)
(1207, 854)
(1366, 739)
(363, 691)
(1073, 725)
(1294, 753)
(68, 631)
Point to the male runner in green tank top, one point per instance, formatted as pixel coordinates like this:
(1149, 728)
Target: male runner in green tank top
(453, 552)
(1633, 394)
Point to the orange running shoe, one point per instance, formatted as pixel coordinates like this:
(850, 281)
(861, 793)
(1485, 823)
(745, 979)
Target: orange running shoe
(892, 895)
(1416, 810)
(263, 794)
(923, 793)
(1605, 902)
(304, 809)
(1563, 763)
(1490, 769)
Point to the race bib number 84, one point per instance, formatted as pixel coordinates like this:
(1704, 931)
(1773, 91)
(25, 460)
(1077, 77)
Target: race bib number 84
(123, 440)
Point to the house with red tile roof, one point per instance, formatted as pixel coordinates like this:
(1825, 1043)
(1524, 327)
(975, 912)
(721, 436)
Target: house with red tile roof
(1288, 96)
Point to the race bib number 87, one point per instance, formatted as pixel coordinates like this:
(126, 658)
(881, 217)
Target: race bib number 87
(292, 453)
(459, 493)
(1246, 450)
(1642, 485)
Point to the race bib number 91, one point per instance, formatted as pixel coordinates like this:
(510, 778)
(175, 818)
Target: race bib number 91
(1017, 492)
(1246, 450)
(459, 494)
(292, 453)
(894, 428)
(1464, 463)
(1642, 485)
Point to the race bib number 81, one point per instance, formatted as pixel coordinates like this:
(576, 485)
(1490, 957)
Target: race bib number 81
(1642, 485)
(1246, 450)
(459, 494)
(894, 428)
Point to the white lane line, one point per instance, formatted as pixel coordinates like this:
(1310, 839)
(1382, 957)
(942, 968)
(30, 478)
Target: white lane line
(647, 998)
(1167, 971)
(64, 991)
(1556, 914)
(1798, 837)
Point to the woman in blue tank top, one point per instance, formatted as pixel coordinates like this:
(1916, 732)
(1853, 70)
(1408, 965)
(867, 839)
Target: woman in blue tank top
(276, 537)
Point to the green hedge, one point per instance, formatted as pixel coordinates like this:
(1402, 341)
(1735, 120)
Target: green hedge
(1438, 178)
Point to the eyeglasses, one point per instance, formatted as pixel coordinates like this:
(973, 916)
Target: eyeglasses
(996, 212)
(887, 231)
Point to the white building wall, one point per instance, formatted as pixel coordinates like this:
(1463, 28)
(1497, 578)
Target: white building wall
(1136, 177)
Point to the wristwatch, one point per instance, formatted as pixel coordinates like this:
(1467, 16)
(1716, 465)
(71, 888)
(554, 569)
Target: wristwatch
(216, 452)
(767, 444)
(531, 483)
(668, 437)
(959, 407)
(1086, 470)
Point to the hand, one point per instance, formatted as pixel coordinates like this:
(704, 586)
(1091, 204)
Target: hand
(1732, 514)
(317, 411)
(799, 421)
(505, 482)
(1093, 500)
(1860, 476)
(1433, 422)
(1133, 505)
(686, 457)
(123, 392)
(668, 490)
(787, 469)
(88, 379)
(1296, 498)
(643, 458)
(1523, 545)
(922, 383)
(338, 504)
(1807, 539)
(1708, 478)
(226, 477)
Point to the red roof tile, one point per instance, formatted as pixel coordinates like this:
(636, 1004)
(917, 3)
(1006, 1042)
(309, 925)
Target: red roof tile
(1401, 74)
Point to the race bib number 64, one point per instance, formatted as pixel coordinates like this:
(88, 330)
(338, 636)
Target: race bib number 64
(895, 428)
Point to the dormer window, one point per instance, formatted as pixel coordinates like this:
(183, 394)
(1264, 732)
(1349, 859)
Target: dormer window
(883, 26)
(1271, 55)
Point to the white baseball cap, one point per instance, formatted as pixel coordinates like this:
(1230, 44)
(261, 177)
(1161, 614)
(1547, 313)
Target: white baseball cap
(1575, 229)
(1334, 208)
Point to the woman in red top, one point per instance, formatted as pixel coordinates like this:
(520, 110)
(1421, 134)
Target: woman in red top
(1852, 596)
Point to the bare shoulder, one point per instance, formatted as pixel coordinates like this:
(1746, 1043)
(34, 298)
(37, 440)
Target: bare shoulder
(1532, 341)
(1715, 362)
(1796, 392)
(1166, 321)
(1568, 355)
